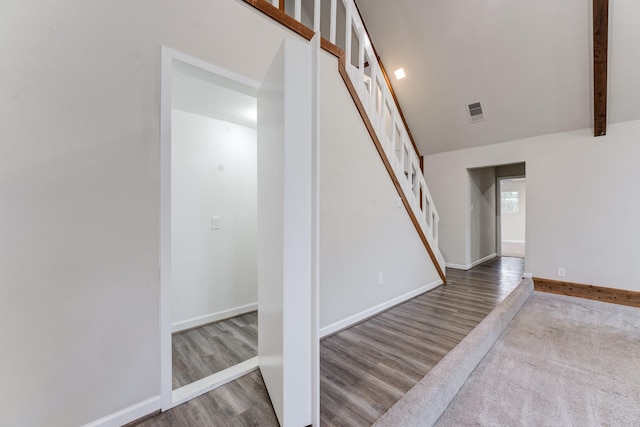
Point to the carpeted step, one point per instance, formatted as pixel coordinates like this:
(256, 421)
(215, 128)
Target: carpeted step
(427, 400)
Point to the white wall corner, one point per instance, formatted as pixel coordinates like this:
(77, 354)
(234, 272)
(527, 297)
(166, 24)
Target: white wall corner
(128, 414)
(363, 315)
(473, 264)
(213, 317)
(457, 266)
(481, 260)
(527, 275)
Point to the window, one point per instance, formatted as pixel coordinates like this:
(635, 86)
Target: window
(510, 201)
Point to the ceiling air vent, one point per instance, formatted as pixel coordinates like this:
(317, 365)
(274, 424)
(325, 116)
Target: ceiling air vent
(475, 112)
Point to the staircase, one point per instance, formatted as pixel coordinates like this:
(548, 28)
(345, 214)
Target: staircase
(371, 90)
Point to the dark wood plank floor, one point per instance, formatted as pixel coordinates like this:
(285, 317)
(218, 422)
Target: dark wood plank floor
(243, 402)
(200, 352)
(367, 368)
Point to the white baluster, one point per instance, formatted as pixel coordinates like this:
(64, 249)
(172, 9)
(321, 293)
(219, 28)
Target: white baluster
(347, 43)
(332, 26)
(316, 15)
(436, 220)
(297, 10)
(361, 59)
(276, 3)
(394, 124)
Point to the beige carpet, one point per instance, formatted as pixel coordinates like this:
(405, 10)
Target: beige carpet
(427, 400)
(562, 361)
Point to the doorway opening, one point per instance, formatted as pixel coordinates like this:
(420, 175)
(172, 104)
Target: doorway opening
(273, 219)
(511, 224)
(209, 296)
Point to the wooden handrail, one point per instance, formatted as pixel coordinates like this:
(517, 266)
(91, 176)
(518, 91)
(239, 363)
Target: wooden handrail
(275, 13)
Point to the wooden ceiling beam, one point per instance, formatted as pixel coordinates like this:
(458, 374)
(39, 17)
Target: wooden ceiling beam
(600, 49)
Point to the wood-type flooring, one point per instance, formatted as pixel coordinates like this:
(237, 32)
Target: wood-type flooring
(365, 369)
(200, 352)
(240, 403)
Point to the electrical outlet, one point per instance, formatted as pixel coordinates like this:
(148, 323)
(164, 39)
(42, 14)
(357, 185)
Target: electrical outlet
(380, 279)
(560, 271)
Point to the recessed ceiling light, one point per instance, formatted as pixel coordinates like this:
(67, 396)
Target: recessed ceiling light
(400, 73)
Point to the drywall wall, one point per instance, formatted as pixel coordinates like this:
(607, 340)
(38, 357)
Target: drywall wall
(513, 223)
(363, 230)
(80, 188)
(213, 174)
(80, 191)
(581, 212)
(482, 214)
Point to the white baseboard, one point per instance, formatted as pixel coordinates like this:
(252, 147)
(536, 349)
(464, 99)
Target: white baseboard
(213, 317)
(481, 260)
(527, 275)
(457, 266)
(473, 264)
(128, 414)
(180, 395)
(513, 241)
(205, 385)
(358, 317)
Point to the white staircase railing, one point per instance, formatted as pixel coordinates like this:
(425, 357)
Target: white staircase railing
(367, 76)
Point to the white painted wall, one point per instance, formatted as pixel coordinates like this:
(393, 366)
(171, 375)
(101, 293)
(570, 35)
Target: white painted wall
(213, 173)
(513, 224)
(482, 214)
(79, 191)
(581, 212)
(363, 232)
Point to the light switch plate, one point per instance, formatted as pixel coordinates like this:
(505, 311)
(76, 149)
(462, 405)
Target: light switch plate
(215, 223)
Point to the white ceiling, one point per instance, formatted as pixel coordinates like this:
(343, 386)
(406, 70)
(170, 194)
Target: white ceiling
(528, 62)
(200, 92)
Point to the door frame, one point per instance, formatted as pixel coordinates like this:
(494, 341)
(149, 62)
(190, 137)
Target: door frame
(170, 397)
(499, 210)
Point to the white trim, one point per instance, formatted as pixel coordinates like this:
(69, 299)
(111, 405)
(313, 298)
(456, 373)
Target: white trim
(173, 54)
(485, 259)
(457, 266)
(205, 385)
(128, 414)
(165, 226)
(315, 228)
(473, 264)
(168, 55)
(513, 241)
(358, 317)
(527, 276)
(194, 322)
